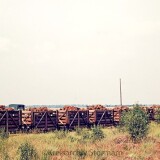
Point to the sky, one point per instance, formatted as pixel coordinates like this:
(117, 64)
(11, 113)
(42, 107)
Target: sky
(75, 51)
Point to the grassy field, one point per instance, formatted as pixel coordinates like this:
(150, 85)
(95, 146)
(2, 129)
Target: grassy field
(77, 145)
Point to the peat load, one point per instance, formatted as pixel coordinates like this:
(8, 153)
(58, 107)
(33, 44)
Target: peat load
(3, 108)
(27, 114)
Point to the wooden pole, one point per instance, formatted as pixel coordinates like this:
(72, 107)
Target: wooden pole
(120, 93)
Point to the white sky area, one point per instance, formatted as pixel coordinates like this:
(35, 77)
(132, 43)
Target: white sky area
(75, 51)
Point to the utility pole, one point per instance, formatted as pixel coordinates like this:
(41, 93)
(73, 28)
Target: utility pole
(120, 93)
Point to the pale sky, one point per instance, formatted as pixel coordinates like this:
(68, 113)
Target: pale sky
(75, 51)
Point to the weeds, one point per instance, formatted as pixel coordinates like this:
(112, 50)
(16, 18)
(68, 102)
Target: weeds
(72, 139)
(157, 116)
(81, 153)
(27, 152)
(3, 134)
(97, 133)
(60, 134)
(3, 150)
(86, 135)
(47, 154)
(78, 131)
(5, 155)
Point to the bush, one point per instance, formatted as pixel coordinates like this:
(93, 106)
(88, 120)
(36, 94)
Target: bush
(3, 133)
(97, 133)
(136, 122)
(157, 116)
(27, 152)
(125, 120)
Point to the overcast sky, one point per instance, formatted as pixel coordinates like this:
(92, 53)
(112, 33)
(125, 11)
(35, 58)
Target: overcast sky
(75, 51)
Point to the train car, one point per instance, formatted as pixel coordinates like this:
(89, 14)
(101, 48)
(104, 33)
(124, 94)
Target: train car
(45, 120)
(101, 117)
(42, 120)
(72, 119)
(18, 118)
(11, 121)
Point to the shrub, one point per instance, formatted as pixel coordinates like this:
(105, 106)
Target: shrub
(157, 116)
(136, 122)
(27, 152)
(125, 120)
(97, 133)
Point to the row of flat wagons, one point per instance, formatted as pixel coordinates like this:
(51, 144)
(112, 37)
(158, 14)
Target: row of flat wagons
(17, 118)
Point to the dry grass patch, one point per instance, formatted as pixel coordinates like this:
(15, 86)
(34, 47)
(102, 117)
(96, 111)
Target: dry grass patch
(114, 146)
